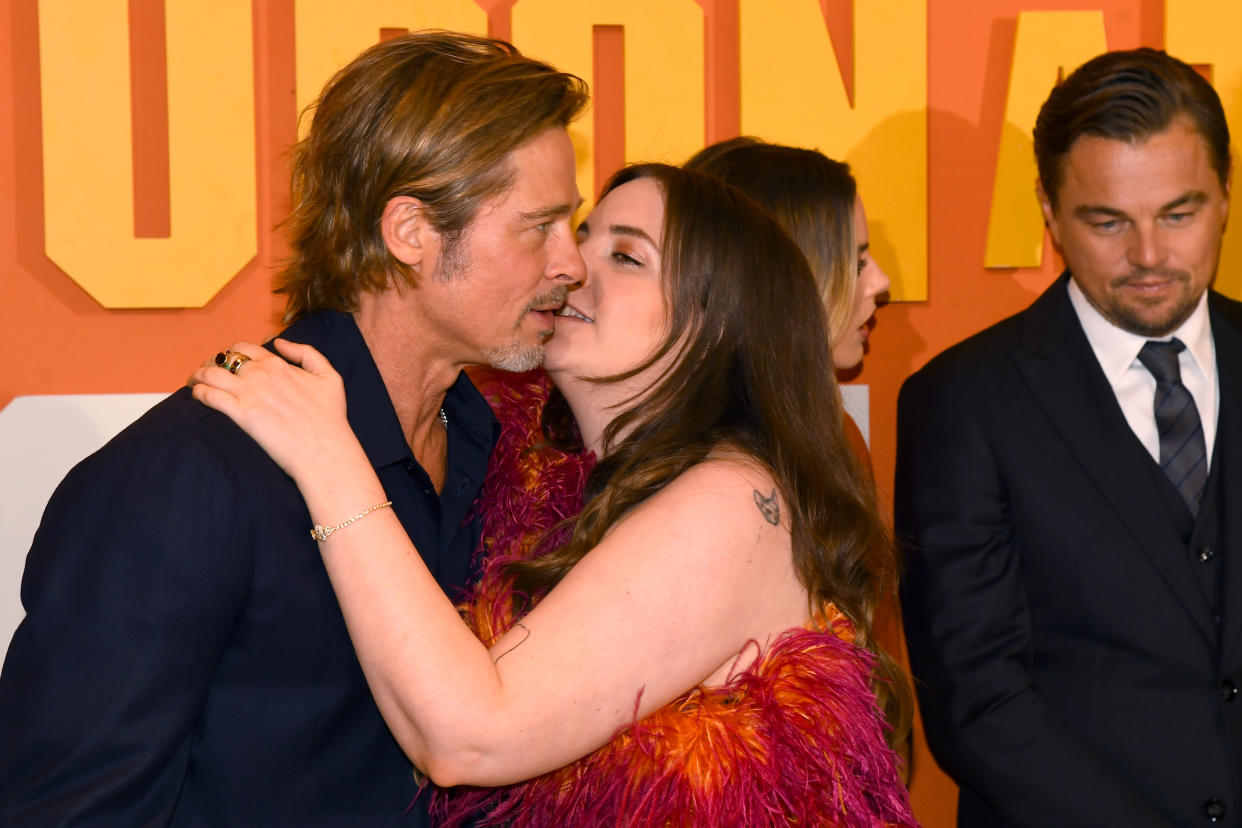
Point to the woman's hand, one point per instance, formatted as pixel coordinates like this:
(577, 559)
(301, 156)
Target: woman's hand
(297, 414)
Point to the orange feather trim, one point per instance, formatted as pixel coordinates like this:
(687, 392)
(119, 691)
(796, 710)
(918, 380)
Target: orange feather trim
(795, 738)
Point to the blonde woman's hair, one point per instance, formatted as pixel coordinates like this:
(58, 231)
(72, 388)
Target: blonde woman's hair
(812, 197)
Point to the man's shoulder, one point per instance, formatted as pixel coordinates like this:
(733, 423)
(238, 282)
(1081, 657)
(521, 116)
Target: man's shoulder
(184, 435)
(179, 480)
(183, 426)
(1230, 310)
(980, 355)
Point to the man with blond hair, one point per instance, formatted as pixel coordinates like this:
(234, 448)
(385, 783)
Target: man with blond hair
(183, 660)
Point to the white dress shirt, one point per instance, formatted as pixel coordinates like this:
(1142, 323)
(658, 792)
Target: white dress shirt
(1117, 352)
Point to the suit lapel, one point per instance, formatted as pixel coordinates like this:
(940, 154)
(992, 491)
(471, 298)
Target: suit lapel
(1065, 378)
(1227, 335)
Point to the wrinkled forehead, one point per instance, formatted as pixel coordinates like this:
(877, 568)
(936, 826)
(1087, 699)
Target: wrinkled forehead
(539, 178)
(1158, 166)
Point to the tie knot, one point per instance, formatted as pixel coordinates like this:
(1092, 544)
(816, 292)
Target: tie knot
(1160, 358)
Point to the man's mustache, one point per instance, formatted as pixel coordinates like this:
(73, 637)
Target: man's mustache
(546, 301)
(1146, 274)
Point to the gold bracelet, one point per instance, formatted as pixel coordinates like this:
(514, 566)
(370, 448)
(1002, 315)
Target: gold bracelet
(320, 533)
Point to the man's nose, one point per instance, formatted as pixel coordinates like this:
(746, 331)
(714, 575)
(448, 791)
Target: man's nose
(566, 265)
(1147, 249)
(882, 283)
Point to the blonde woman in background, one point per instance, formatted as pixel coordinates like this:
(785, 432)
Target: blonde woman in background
(816, 200)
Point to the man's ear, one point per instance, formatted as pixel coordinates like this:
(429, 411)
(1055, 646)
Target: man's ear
(1045, 206)
(1228, 187)
(408, 235)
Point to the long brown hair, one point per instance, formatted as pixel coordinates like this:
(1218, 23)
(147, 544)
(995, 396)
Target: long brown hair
(753, 372)
(433, 115)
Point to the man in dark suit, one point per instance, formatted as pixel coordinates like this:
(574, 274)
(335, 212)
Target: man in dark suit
(1069, 483)
(183, 660)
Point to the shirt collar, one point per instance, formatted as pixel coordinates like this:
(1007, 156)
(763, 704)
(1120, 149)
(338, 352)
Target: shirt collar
(370, 410)
(1117, 349)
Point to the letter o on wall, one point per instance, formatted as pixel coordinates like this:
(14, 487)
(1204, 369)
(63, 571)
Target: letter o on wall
(88, 155)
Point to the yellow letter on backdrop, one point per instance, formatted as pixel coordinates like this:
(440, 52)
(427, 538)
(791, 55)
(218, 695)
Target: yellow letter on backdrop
(88, 155)
(330, 34)
(1046, 42)
(663, 70)
(792, 92)
(1206, 31)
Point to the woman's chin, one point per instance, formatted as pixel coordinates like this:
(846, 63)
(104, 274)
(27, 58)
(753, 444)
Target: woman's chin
(847, 360)
(558, 368)
(553, 359)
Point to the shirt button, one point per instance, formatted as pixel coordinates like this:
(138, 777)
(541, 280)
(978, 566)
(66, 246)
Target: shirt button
(1206, 554)
(409, 465)
(1214, 810)
(1228, 690)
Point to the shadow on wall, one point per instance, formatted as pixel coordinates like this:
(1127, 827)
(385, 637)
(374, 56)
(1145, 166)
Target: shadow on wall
(893, 332)
(884, 147)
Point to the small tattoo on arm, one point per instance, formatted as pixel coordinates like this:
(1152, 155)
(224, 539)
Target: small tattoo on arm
(769, 507)
(497, 659)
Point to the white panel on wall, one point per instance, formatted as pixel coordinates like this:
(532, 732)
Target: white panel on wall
(857, 399)
(41, 439)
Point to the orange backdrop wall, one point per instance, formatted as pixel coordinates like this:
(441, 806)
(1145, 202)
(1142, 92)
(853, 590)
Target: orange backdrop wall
(929, 104)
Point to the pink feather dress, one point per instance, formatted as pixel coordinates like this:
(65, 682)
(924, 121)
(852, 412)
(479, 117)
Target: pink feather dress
(795, 738)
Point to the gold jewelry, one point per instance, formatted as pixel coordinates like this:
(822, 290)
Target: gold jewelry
(231, 361)
(320, 533)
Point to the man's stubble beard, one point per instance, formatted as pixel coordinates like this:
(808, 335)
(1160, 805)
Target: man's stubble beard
(518, 356)
(514, 356)
(1128, 317)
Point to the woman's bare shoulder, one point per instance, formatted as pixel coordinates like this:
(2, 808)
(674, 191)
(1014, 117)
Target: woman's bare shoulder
(729, 485)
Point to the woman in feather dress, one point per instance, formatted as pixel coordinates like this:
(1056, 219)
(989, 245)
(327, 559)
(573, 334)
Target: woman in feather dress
(693, 646)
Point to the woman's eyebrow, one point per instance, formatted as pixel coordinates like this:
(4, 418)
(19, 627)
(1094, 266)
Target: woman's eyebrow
(635, 232)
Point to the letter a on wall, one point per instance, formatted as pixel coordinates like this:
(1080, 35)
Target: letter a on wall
(1047, 43)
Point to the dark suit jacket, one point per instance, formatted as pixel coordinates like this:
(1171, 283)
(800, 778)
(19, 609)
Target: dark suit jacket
(183, 660)
(1069, 668)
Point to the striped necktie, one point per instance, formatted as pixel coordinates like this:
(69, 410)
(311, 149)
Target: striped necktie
(1183, 455)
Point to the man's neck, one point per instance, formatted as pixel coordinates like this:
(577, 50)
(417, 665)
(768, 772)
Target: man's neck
(416, 379)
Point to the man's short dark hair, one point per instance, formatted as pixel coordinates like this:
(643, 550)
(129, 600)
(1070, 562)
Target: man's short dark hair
(1127, 96)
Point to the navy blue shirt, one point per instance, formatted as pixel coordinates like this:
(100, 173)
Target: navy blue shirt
(183, 660)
